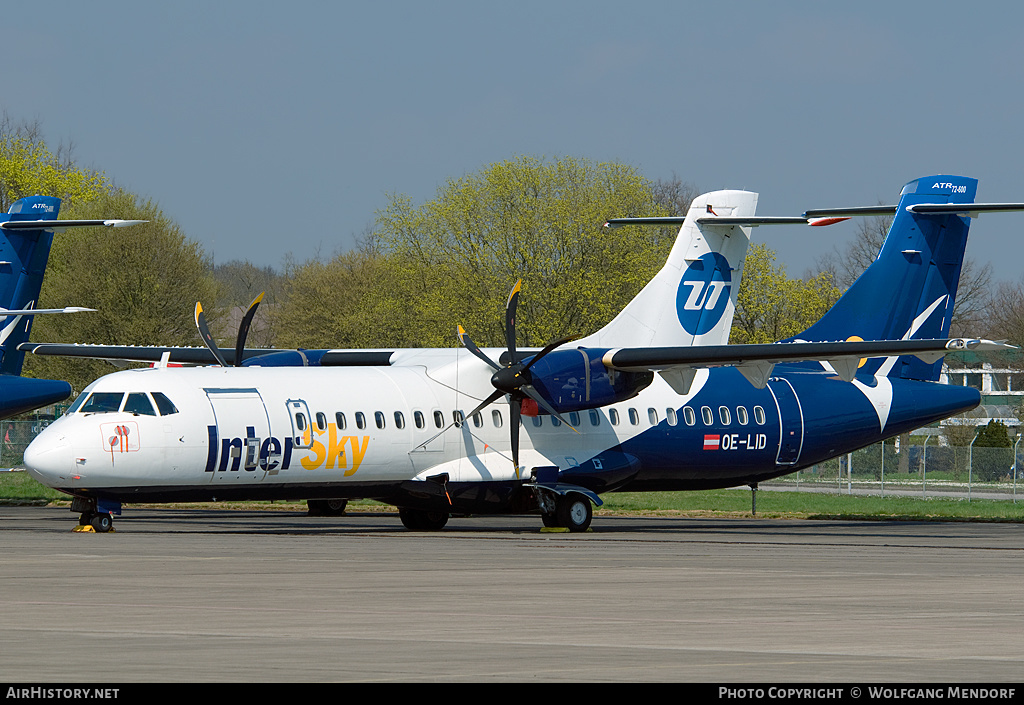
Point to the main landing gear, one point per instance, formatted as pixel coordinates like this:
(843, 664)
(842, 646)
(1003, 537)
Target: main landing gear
(326, 507)
(422, 519)
(571, 511)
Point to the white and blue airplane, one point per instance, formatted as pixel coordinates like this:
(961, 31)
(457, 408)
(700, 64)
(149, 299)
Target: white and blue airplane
(26, 234)
(655, 400)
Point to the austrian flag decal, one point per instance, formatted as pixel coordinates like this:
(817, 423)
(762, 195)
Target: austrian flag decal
(712, 442)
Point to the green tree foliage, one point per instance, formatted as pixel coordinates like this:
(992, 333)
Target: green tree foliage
(454, 259)
(144, 282)
(770, 306)
(994, 434)
(28, 167)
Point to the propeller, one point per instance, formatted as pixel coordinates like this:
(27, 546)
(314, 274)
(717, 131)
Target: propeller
(243, 332)
(514, 378)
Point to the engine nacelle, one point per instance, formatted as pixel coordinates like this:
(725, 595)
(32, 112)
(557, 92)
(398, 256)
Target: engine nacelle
(573, 380)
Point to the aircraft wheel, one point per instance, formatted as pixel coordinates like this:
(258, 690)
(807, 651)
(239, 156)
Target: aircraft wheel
(326, 507)
(550, 521)
(575, 512)
(420, 520)
(85, 519)
(102, 523)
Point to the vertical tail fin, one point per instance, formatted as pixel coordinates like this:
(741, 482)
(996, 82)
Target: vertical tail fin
(23, 256)
(692, 299)
(909, 290)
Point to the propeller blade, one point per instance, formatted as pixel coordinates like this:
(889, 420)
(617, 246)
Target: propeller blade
(204, 333)
(471, 346)
(243, 328)
(515, 412)
(510, 321)
(495, 395)
(535, 395)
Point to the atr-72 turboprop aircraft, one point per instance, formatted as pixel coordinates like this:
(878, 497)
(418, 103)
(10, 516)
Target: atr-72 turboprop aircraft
(653, 401)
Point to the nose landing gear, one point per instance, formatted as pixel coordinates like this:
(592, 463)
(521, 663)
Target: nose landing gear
(96, 516)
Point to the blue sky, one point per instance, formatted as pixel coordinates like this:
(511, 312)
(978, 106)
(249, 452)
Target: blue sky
(274, 129)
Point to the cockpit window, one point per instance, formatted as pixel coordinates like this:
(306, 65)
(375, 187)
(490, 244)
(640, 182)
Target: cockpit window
(165, 405)
(78, 402)
(101, 402)
(139, 403)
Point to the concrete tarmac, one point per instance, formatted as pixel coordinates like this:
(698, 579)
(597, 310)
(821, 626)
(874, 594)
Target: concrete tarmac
(210, 595)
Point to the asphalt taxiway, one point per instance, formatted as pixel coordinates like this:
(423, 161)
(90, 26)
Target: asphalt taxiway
(204, 595)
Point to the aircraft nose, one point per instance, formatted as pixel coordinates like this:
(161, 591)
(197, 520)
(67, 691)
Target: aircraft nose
(48, 459)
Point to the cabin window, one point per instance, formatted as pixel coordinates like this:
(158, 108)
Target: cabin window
(321, 420)
(101, 402)
(164, 405)
(438, 419)
(360, 420)
(496, 418)
(741, 415)
(300, 421)
(613, 416)
(595, 417)
(339, 419)
(707, 416)
(417, 417)
(759, 415)
(670, 414)
(459, 418)
(139, 403)
(689, 416)
(634, 416)
(378, 418)
(574, 418)
(724, 415)
(555, 422)
(538, 421)
(652, 416)
(399, 419)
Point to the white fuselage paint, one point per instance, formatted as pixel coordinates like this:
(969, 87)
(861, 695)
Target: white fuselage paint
(238, 426)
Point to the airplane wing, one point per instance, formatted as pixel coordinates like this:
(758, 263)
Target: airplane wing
(134, 353)
(678, 365)
(203, 356)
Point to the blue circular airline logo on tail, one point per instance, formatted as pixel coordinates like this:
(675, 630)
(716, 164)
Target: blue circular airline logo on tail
(704, 293)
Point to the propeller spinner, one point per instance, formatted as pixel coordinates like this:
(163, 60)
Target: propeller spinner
(514, 379)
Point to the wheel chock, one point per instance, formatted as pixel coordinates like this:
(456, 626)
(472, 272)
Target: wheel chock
(87, 529)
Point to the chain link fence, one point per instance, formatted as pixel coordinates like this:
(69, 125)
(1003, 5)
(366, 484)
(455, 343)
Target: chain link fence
(17, 434)
(923, 470)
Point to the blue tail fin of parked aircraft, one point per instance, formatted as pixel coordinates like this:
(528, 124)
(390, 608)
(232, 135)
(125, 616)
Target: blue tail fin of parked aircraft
(26, 234)
(23, 256)
(908, 292)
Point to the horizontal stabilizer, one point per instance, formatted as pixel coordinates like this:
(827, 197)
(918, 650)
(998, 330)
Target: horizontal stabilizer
(727, 220)
(64, 224)
(33, 311)
(965, 209)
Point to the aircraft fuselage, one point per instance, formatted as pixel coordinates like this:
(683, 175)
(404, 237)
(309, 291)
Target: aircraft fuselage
(382, 432)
